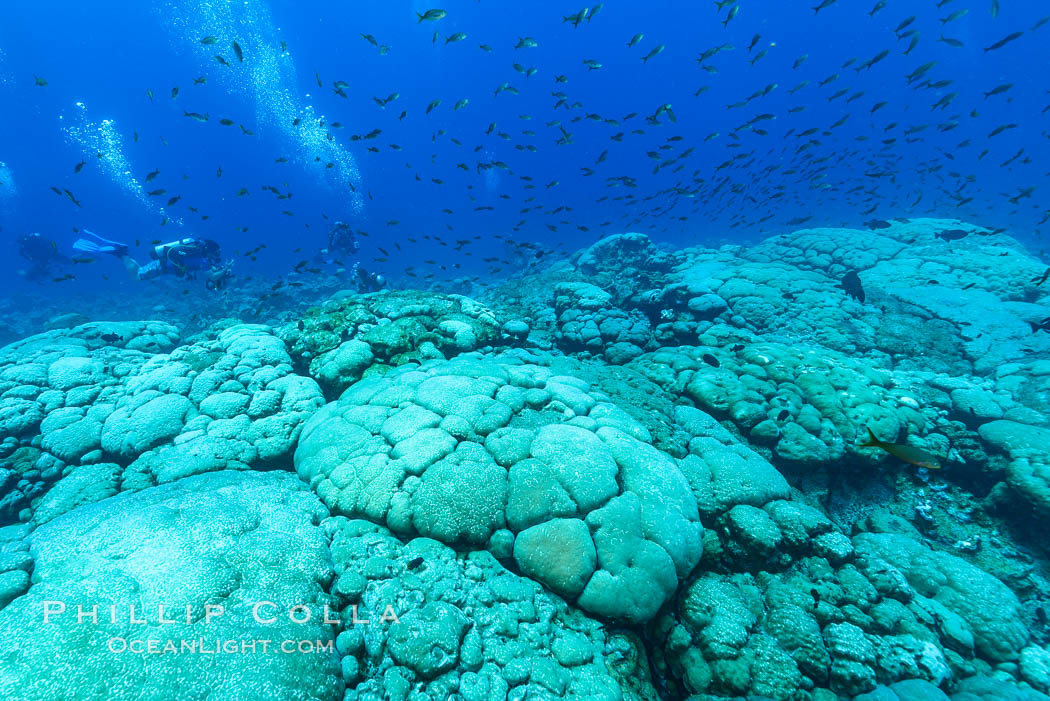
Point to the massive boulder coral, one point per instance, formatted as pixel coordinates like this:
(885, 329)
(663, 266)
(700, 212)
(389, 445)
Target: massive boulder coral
(803, 406)
(912, 248)
(209, 548)
(117, 406)
(340, 340)
(514, 510)
(587, 321)
(467, 626)
(784, 603)
(16, 564)
(987, 616)
(980, 290)
(504, 454)
(71, 372)
(231, 403)
(56, 391)
(1026, 450)
(772, 299)
(938, 305)
(623, 255)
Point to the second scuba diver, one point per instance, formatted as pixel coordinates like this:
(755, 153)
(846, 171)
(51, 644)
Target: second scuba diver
(185, 257)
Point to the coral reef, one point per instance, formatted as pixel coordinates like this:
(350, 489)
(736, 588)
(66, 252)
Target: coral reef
(637, 473)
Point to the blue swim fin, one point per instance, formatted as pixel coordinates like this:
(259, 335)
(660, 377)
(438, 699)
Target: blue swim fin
(100, 245)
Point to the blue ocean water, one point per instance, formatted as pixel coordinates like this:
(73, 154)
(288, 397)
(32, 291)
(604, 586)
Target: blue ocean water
(702, 171)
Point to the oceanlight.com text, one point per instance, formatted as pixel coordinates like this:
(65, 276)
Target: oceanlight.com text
(202, 646)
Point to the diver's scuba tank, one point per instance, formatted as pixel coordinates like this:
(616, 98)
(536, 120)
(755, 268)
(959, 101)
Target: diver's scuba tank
(171, 254)
(162, 251)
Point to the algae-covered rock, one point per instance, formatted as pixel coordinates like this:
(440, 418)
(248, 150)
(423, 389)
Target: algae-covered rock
(340, 340)
(1027, 448)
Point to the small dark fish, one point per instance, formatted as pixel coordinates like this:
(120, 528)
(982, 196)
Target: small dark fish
(737, 348)
(1000, 129)
(301, 325)
(1039, 280)
(431, 15)
(998, 90)
(850, 283)
(784, 413)
(877, 224)
(904, 24)
(110, 337)
(733, 11)
(1004, 41)
(415, 563)
(711, 360)
(952, 234)
(238, 52)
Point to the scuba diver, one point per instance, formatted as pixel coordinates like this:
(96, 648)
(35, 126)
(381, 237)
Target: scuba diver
(341, 240)
(183, 258)
(42, 255)
(366, 281)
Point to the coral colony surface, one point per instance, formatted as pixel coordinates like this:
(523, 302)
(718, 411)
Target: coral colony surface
(811, 469)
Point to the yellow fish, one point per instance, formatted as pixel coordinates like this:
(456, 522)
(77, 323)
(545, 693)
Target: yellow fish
(907, 453)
